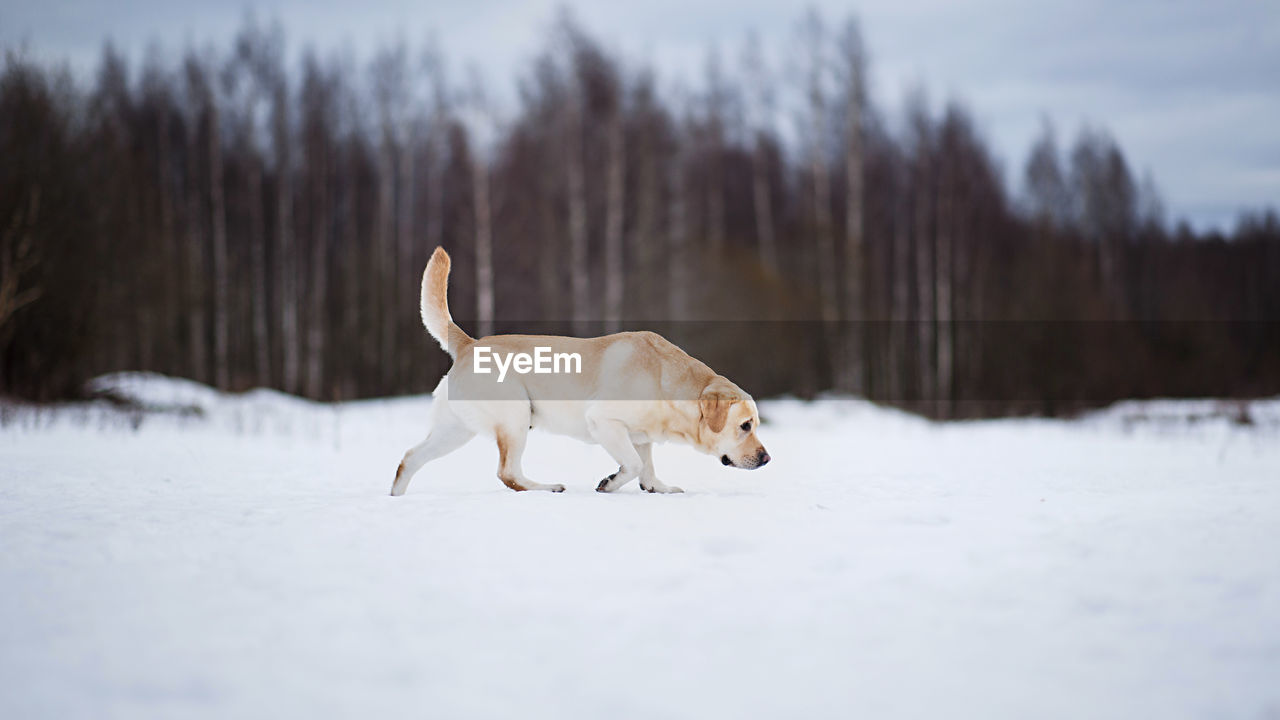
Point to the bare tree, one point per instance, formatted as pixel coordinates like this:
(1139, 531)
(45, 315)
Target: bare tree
(545, 94)
(900, 326)
(853, 56)
(251, 199)
(317, 99)
(677, 237)
(19, 256)
(114, 109)
(575, 169)
(286, 262)
(354, 315)
(412, 129)
(814, 38)
(922, 140)
(718, 101)
(218, 216)
(433, 66)
(157, 106)
(481, 123)
(1104, 200)
(761, 106)
(198, 99)
(1046, 188)
(645, 241)
(389, 77)
(484, 244)
(253, 76)
(949, 223)
(613, 277)
(260, 55)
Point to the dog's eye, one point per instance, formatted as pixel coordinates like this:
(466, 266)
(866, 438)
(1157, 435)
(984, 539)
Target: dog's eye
(746, 426)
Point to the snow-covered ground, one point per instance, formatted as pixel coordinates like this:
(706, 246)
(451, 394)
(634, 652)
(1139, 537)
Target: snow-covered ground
(246, 561)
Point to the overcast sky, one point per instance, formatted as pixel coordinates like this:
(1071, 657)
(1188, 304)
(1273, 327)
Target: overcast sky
(1189, 88)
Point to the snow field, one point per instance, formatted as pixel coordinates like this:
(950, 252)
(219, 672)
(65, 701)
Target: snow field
(248, 562)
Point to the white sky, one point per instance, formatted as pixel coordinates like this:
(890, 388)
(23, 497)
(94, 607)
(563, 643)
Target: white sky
(1190, 89)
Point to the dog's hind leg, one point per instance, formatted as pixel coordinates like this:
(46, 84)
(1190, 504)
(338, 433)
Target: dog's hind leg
(614, 437)
(511, 438)
(649, 481)
(447, 435)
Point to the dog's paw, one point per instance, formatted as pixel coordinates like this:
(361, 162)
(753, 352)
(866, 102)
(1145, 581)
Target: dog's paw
(604, 484)
(556, 487)
(664, 489)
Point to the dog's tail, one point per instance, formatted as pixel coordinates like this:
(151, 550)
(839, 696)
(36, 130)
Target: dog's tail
(435, 306)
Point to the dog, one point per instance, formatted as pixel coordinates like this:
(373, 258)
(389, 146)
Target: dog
(627, 391)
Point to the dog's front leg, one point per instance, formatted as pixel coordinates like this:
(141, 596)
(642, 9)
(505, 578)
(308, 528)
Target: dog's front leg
(614, 437)
(649, 481)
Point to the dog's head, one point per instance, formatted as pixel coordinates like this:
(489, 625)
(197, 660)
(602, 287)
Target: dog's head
(727, 426)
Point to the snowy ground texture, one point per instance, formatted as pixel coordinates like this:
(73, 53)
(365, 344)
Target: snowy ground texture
(247, 562)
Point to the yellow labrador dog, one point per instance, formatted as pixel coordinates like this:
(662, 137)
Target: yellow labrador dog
(624, 392)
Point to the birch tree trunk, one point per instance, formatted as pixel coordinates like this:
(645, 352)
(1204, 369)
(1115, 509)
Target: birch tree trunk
(677, 243)
(194, 283)
(822, 217)
(144, 315)
(437, 145)
(854, 370)
(824, 243)
(318, 326)
(901, 313)
(715, 195)
(578, 258)
(854, 274)
(761, 110)
(613, 276)
(170, 240)
(357, 316)
(260, 271)
(287, 263)
(924, 280)
(768, 247)
(942, 294)
(320, 228)
(824, 247)
(714, 138)
(644, 241)
(484, 246)
(550, 260)
(383, 349)
(435, 186)
(405, 270)
(221, 285)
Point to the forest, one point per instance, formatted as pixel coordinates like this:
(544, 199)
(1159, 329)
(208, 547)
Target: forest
(247, 217)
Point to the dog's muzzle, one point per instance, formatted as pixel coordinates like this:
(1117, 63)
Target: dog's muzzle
(748, 463)
(762, 458)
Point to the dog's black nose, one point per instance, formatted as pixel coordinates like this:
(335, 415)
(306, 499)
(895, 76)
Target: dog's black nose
(762, 458)
(724, 460)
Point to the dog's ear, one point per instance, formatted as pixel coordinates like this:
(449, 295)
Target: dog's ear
(714, 404)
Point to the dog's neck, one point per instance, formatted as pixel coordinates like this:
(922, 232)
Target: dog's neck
(681, 423)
